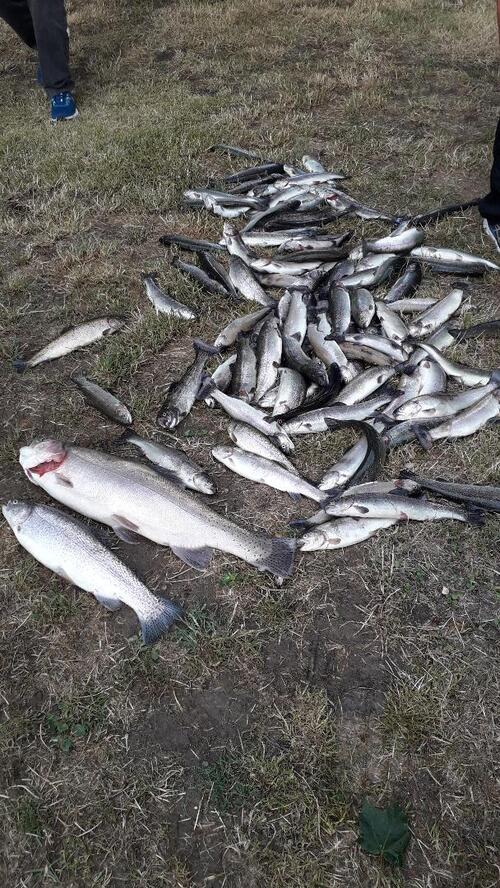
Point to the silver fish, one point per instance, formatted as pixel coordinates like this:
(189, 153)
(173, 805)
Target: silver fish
(434, 317)
(291, 391)
(412, 306)
(76, 337)
(402, 242)
(377, 505)
(269, 348)
(465, 423)
(427, 379)
(183, 392)
(67, 547)
(441, 339)
(312, 165)
(295, 324)
(243, 324)
(340, 310)
(327, 350)
(275, 238)
(362, 307)
(314, 421)
(379, 343)
(407, 284)
(244, 371)
(428, 406)
(365, 384)
(245, 282)
(343, 533)
(102, 400)
(250, 439)
(296, 358)
(247, 413)
(343, 470)
(265, 471)
(164, 303)
(392, 325)
(444, 256)
(465, 375)
(136, 502)
(222, 378)
(173, 463)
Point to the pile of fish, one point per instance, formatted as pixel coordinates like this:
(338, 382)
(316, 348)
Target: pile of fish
(337, 338)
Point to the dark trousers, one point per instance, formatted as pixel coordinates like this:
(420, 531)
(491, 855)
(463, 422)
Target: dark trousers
(42, 25)
(489, 206)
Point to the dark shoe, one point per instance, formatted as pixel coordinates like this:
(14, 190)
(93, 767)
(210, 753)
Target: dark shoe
(492, 229)
(63, 107)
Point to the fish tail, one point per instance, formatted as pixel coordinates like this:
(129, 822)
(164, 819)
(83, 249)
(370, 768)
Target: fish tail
(123, 438)
(474, 516)
(19, 365)
(423, 437)
(279, 561)
(406, 473)
(495, 377)
(200, 346)
(156, 617)
(207, 387)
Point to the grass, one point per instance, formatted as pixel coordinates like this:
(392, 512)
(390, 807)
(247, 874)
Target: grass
(239, 750)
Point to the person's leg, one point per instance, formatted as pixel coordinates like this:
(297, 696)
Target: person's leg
(489, 206)
(51, 33)
(17, 14)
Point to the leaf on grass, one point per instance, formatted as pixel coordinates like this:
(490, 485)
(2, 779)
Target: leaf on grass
(384, 831)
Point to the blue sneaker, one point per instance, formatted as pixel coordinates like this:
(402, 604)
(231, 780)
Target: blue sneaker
(63, 107)
(39, 76)
(492, 229)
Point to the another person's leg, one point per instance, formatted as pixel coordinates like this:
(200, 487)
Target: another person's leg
(489, 206)
(17, 14)
(51, 33)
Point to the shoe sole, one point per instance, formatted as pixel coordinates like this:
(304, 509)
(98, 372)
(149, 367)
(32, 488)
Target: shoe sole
(70, 117)
(491, 236)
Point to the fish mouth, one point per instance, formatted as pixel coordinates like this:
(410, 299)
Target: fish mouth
(42, 457)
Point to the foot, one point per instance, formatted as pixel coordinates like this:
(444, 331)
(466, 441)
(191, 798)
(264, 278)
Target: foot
(63, 107)
(492, 229)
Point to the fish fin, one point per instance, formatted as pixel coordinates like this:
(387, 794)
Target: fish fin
(495, 376)
(296, 497)
(156, 620)
(400, 491)
(475, 516)
(299, 523)
(126, 530)
(423, 437)
(197, 558)
(123, 438)
(279, 561)
(200, 346)
(128, 536)
(65, 482)
(206, 387)
(111, 602)
(19, 365)
(167, 473)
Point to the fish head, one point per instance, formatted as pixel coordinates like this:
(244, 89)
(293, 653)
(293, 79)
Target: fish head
(204, 484)
(41, 457)
(16, 513)
(223, 453)
(407, 411)
(114, 324)
(313, 540)
(168, 419)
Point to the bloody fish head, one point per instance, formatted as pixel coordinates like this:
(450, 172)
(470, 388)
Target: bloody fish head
(42, 457)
